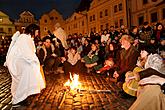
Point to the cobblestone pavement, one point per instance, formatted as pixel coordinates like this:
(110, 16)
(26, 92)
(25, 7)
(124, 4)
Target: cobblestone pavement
(55, 97)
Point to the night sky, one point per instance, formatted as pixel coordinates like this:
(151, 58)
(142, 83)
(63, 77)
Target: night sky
(37, 7)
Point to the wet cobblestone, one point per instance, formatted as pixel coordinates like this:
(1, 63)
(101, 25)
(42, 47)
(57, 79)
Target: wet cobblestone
(50, 98)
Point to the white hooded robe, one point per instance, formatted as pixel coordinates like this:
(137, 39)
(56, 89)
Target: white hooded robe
(24, 68)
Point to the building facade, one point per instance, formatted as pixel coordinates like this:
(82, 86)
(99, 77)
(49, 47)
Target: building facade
(101, 15)
(77, 23)
(140, 11)
(48, 20)
(26, 18)
(7, 27)
(105, 13)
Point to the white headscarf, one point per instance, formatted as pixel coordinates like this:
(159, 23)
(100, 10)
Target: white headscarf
(155, 61)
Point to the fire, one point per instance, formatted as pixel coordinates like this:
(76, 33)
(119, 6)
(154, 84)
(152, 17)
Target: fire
(73, 82)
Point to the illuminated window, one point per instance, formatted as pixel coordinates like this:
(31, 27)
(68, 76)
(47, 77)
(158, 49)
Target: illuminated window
(1, 20)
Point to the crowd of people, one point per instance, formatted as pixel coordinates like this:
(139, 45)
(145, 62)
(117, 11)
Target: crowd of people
(132, 58)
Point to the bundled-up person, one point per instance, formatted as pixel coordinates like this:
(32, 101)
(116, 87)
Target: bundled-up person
(158, 33)
(151, 85)
(145, 34)
(93, 59)
(72, 61)
(86, 48)
(127, 58)
(47, 57)
(149, 65)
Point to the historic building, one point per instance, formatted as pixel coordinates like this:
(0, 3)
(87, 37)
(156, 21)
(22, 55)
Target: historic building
(48, 20)
(140, 11)
(77, 23)
(26, 18)
(101, 15)
(7, 27)
(105, 13)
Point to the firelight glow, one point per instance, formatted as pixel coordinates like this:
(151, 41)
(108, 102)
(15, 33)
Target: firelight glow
(73, 82)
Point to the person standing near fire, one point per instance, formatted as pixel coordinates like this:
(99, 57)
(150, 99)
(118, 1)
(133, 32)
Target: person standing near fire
(24, 67)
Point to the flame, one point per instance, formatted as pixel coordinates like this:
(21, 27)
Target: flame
(73, 82)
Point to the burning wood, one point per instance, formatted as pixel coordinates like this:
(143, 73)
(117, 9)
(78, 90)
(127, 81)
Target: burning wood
(73, 82)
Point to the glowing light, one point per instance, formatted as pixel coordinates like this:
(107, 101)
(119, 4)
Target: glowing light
(73, 82)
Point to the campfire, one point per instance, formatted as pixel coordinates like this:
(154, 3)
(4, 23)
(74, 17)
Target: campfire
(73, 83)
(73, 87)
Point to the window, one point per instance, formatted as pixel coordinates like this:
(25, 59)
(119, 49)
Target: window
(106, 12)
(75, 18)
(52, 18)
(56, 18)
(101, 14)
(93, 17)
(45, 21)
(45, 29)
(141, 20)
(116, 24)
(115, 8)
(82, 23)
(1, 20)
(10, 30)
(101, 27)
(90, 18)
(121, 22)
(69, 28)
(120, 7)
(154, 17)
(1, 29)
(94, 29)
(163, 13)
(145, 2)
(106, 25)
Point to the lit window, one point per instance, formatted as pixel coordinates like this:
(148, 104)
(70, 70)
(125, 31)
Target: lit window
(1, 20)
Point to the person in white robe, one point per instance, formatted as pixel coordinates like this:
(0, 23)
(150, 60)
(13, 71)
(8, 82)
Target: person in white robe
(24, 67)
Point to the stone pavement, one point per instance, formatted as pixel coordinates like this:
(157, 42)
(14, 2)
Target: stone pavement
(55, 97)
